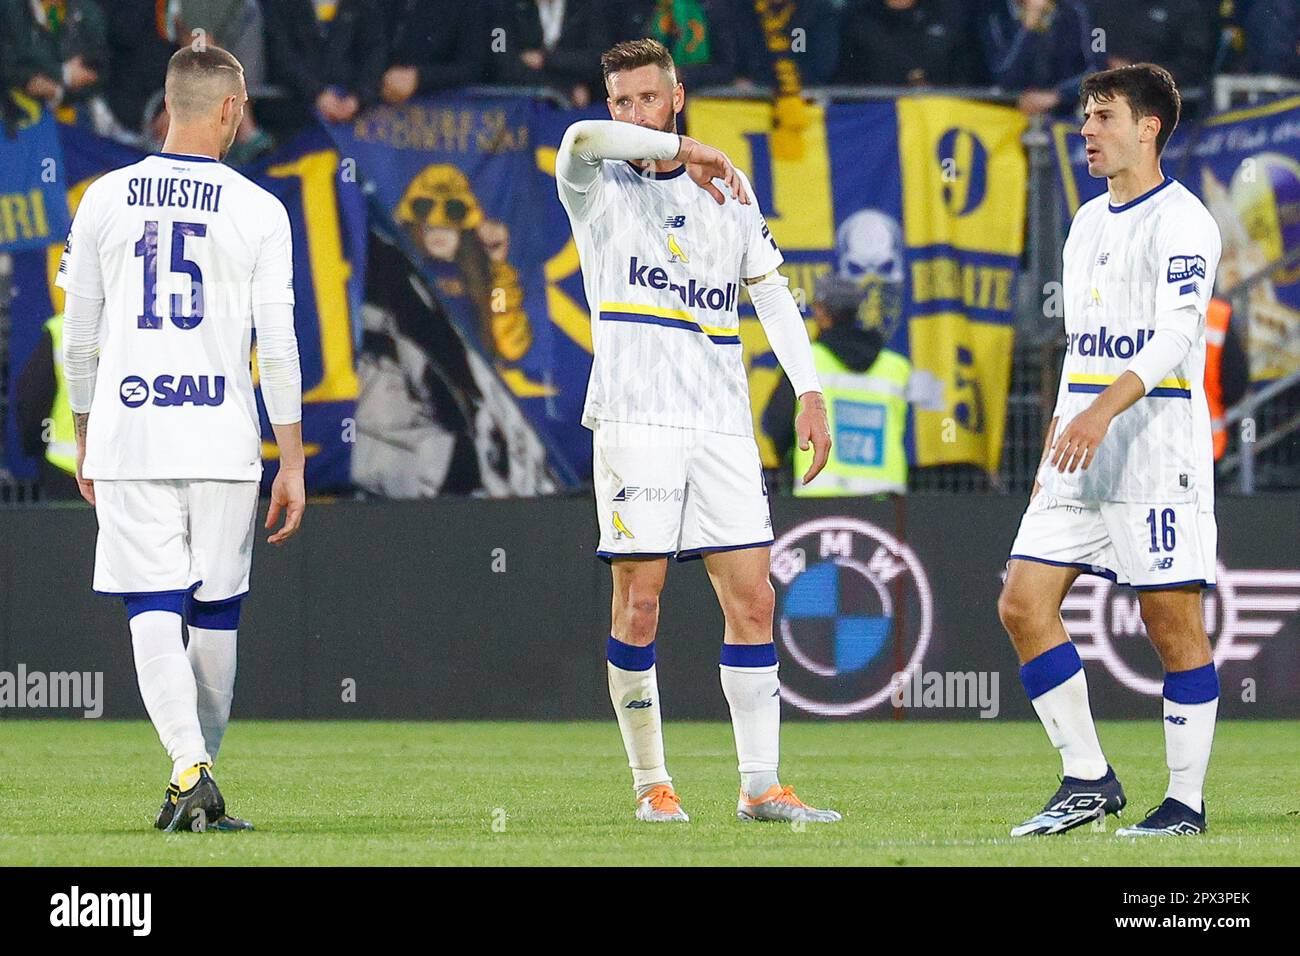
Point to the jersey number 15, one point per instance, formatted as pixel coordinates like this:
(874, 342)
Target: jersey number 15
(147, 248)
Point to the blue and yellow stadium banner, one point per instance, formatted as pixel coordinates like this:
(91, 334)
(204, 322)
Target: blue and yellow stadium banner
(32, 211)
(920, 201)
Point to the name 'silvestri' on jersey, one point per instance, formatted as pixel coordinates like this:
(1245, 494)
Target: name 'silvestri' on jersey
(661, 266)
(1123, 267)
(179, 248)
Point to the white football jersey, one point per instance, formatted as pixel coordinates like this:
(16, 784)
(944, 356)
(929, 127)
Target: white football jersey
(180, 249)
(1124, 266)
(661, 265)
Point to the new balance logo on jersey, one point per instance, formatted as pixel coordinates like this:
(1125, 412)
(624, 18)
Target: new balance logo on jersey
(1102, 343)
(674, 222)
(1162, 564)
(638, 704)
(170, 391)
(693, 294)
(1186, 267)
(1103, 258)
(1176, 720)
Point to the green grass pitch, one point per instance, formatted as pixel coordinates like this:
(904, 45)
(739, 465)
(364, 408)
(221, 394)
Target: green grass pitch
(369, 793)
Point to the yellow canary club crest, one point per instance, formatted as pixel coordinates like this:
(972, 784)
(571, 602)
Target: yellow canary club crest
(675, 253)
(1096, 296)
(621, 528)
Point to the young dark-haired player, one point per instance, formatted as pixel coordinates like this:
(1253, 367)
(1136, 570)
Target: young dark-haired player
(1126, 486)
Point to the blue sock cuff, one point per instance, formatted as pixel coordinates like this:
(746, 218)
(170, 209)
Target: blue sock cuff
(173, 601)
(1200, 685)
(748, 655)
(628, 658)
(1050, 669)
(214, 615)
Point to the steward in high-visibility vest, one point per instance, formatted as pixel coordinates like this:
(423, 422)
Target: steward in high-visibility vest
(62, 448)
(865, 387)
(867, 413)
(1217, 317)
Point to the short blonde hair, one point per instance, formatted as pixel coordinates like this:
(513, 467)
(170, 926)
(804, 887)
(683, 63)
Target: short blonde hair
(199, 79)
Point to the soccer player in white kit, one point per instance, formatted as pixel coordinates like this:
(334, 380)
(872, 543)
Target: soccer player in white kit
(170, 265)
(677, 472)
(1126, 488)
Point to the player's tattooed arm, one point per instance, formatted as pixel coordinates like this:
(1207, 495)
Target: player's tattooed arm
(81, 426)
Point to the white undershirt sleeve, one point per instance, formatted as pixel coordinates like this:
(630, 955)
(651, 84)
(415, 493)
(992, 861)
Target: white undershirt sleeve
(278, 367)
(81, 317)
(785, 330)
(588, 143)
(1163, 352)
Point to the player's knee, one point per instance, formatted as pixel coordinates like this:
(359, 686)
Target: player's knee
(641, 611)
(1018, 611)
(752, 609)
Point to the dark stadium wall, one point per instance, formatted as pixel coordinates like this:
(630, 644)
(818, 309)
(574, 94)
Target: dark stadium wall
(471, 609)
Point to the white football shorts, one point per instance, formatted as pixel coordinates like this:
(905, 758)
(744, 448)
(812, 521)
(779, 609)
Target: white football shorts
(664, 491)
(1139, 544)
(168, 536)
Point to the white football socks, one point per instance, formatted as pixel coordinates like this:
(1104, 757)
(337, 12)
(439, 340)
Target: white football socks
(1067, 718)
(1189, 731)
(753, 695)
(212, 656)
(635, 696)
(167, 685)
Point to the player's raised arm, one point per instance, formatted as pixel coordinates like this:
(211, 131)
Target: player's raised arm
(280, 374)
(588, 143)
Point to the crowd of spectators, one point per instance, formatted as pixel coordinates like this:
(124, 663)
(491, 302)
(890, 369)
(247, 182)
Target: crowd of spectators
(103, 60)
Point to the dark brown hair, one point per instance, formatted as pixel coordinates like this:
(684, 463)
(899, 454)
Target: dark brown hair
(631, 54)
(1149, 89)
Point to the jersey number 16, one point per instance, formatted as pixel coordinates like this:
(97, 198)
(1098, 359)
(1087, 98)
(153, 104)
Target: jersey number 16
(1167, 535)
(147, 248)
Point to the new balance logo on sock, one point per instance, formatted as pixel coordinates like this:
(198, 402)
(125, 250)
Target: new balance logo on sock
(1176, 720)
(639, 704)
